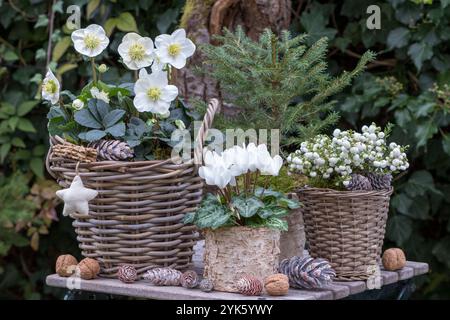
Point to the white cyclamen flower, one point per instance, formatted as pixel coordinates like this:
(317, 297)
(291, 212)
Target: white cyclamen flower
(100, 95)
(50, 88)
(175, 48)
(77, 104)
(153, 92)
(90, 41)
(136, 51)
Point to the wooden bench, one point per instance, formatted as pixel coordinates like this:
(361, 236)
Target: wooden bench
(142, 289)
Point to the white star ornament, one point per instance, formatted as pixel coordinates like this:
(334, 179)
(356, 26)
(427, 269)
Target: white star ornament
(76, 197)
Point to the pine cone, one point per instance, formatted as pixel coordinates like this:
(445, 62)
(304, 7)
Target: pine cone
(206, 285)
(72, 151)
(359, 182)
(307, 272)
(189, 279)
(163, 277)
(249, 286)
(380, 181)
(127, 274)
(115, 150)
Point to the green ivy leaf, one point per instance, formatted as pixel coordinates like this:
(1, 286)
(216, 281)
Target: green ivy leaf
(26, 107)
(125, 22)
(419, 53)
(37, 166)
(420, 182)
(441, 251)
(25, 125)
(247, 207)
(4, 150)
(398, 38)
(446, 143)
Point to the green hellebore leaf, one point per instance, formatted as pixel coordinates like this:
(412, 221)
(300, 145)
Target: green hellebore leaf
(112, 117)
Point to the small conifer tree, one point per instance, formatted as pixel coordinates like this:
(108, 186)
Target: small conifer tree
(277, 82)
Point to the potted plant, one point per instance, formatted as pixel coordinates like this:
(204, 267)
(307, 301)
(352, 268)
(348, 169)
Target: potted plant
(116, 138)
(242, 221)
(346, 198)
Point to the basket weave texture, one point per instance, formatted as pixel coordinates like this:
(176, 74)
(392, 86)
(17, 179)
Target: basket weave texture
(347, 228)
(136, 217)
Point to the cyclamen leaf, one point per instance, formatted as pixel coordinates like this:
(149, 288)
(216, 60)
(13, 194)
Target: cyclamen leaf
(86, 119)
(290, 203)
(189, 218)
(112, 117)
(247, 207)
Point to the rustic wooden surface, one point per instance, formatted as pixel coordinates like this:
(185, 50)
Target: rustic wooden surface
(141, 289)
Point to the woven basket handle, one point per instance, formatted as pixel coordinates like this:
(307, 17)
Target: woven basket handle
(213, 107)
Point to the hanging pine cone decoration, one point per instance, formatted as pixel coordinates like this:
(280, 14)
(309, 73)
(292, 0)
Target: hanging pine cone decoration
(115, 150)
(307, 273)
(206, 285)
(249, 286)
(127, 274)
(189, 279)
(163, 277)
(359, 182)
(380, 181)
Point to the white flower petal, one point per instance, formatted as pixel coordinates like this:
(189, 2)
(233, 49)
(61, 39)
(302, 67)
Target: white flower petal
(162, 40)
(178, 35)
(187, 48)
(169, 93)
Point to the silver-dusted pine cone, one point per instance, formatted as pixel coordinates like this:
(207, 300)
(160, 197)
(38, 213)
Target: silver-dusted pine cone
(206, 285)
(163, 277)
(189, 279)
(380, 181)
(127, 274)
(112, 150)
(307, 272)
(359, 182)
(249, 286)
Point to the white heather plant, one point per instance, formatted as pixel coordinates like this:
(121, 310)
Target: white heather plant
(334, 161)
(143, 114)
(239, 201)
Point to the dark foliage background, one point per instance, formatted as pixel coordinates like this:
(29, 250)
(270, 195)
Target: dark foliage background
(408, 85)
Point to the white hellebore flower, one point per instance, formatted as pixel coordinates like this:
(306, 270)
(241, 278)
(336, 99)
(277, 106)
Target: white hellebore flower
(175, 48)
(100, 95)
(50, 88)
(90, 41)
(77, 104)
(153, 92)
(136, 51)
(157, 64)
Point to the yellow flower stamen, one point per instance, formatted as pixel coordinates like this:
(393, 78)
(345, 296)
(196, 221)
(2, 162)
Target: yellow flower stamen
(154, 93)
(174, 49)
(91, 41)
(136, 51)
(50, 87)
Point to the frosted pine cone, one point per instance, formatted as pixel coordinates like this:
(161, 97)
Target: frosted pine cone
(307, 272)
(189, 279)
(206, 285)
(359, 182)
(115, 150)
(249, 286)
(380, 181)
(127, 274)
(163, 277)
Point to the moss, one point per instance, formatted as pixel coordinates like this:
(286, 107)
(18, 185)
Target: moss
(283, 182)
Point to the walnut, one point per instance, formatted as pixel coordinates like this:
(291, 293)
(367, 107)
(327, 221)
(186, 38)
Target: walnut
(88, 268)
(277, 284)
(393, 259)
(65, 265)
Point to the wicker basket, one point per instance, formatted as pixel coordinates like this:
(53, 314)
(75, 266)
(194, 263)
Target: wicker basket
(233, 252)
(347, 228)
(136, 217)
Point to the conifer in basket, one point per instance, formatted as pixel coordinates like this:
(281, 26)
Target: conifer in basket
(243, 220)
(123, 121)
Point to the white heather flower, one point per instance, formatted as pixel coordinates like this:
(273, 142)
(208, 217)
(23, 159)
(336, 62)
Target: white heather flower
(136, 51)
(313, 174)
(175, 48)
(50, 88)
(77, 104)
(336, 133)
(100, 95)
(90, 41)
(153, 92)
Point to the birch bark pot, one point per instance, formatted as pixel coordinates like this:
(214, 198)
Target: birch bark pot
(231, 253)
(292, 242)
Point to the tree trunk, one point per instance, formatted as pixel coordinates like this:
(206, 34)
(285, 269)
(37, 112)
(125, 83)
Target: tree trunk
(202, 19)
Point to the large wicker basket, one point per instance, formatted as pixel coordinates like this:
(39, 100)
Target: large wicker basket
(347, 228)
(136, 217)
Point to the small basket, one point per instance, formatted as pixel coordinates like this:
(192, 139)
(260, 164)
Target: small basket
(137, 216)
(347, 228)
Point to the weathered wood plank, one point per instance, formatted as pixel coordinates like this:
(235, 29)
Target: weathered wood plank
(389, 277)
(338, 290)
(405, 273)
(354, 286)
(419, 267)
